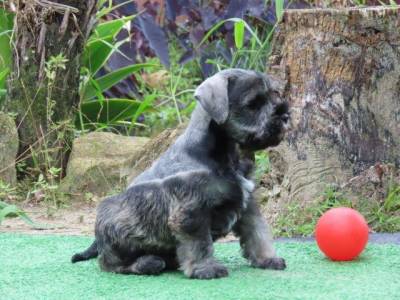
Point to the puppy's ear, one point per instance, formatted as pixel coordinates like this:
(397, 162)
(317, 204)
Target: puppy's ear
(213, 97)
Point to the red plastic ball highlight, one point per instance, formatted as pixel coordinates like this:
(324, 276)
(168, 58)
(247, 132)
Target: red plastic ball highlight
(341, 233)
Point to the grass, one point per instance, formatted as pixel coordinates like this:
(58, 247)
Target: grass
(38, 267)
(380, 216)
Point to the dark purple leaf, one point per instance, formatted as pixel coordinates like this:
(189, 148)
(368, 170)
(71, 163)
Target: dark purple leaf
(209, 19)
(256, 7)
(224, 52)
(172, 27)
(117, 60)
(207, 69)
(156, 38)
(186, 57)
(236, 9)
(194, 15)
(184, 41)
(229, 39)
(197, 34)
(173, 9)
(127, 9)
(152, 8)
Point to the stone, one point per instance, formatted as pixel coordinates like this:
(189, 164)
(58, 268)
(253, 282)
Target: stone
(99, 164)
(8, 149)
(153, 149)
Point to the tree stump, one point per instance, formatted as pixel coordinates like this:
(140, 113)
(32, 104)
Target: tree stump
(341, 69)
(43, 92)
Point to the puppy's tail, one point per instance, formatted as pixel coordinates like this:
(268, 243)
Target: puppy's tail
(89, 253)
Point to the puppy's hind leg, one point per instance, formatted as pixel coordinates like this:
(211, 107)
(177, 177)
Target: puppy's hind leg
(195, 245)
(144, 265)
(256, 241)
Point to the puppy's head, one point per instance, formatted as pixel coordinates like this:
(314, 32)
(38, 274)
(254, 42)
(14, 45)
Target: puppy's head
(247, 106)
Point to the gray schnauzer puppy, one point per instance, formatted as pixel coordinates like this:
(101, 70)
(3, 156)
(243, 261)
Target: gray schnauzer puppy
(199, 190)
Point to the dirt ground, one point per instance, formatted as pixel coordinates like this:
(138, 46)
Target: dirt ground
(78, 219)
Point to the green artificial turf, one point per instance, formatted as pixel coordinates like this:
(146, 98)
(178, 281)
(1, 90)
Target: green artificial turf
(38, 267)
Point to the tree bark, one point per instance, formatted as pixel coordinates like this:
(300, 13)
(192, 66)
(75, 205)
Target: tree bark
(341, 69)
(43, 93)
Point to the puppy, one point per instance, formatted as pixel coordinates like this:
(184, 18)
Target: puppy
(199, 190)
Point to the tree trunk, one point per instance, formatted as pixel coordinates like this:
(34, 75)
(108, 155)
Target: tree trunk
(342, 75)
(43, 91)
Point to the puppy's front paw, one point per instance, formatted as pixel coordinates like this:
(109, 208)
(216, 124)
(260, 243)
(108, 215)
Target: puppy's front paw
(209, 271)
(274, 263)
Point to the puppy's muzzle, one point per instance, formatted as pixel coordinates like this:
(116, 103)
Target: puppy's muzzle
(282, 111)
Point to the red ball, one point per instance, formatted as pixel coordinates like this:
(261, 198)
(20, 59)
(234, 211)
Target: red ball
(341, 233)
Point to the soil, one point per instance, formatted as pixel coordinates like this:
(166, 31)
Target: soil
(78, 219)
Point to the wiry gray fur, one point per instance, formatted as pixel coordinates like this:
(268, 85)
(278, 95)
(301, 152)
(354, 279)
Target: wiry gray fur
(199, 190)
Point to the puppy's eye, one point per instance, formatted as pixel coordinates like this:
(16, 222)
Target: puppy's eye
(257, 102)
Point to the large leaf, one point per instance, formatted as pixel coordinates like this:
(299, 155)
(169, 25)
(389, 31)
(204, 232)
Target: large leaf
(102, 45)
(156, 38)
(173, 9)
(107, 81)
(108, 111)
(144, 106)
(110, 28)
(96, 54)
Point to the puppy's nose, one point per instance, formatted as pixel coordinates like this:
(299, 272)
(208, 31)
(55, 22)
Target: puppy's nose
(282, 109)
(285, 117)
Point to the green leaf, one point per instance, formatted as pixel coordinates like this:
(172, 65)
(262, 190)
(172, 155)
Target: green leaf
(108, 111)
(392, 201)
(110, 28)
(105, 10)
(239, 34)
(107, 81)
(220, 23)
(97, 52)
(102, 45)
(144, 105)
(8, 211)
(4, 73)
(279, 4)
(6, 25)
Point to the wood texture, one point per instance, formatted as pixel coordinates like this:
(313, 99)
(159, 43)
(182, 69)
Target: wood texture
(45, 29)
(341, 69)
